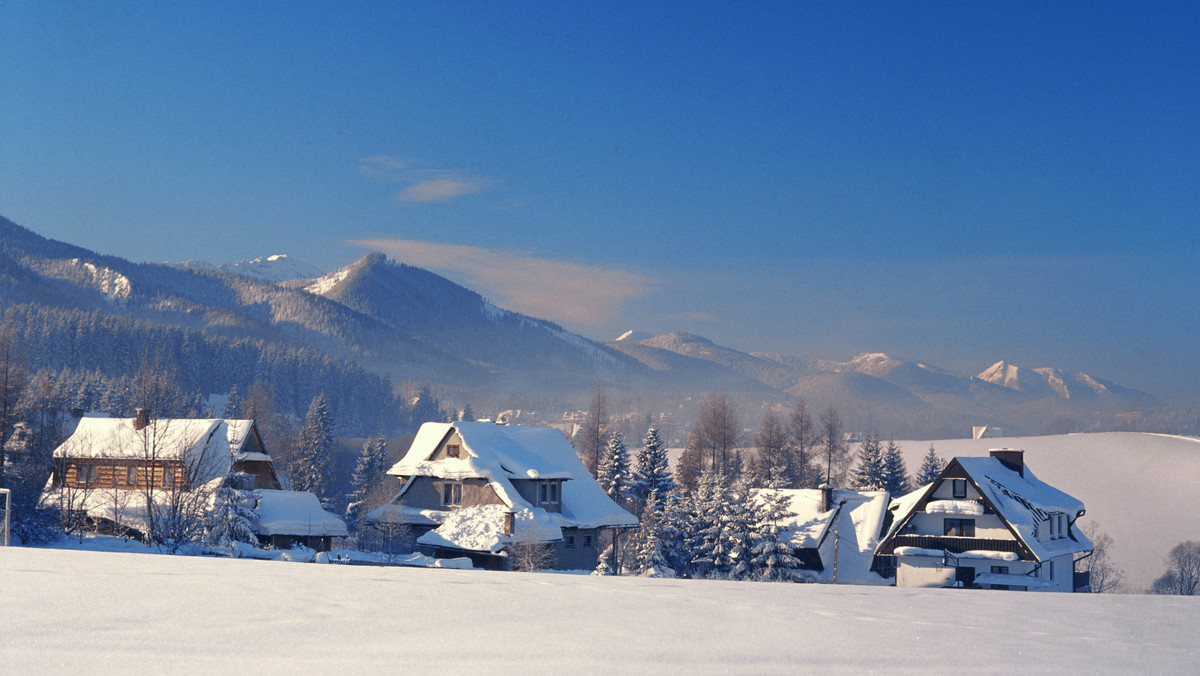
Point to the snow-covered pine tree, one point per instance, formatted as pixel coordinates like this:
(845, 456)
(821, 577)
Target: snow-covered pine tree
(468, 414)
(869, 474)
(895, 474)
(233, 403)
(678, 524)
(653, 473)
(771, 557)
(931, 467)
(615, 475)
(648, 557)
(312, 468)
(232, 518)
(368, 471)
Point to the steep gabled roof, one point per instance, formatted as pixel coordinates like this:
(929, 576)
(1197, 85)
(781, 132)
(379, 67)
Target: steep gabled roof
(209, 445)
(501, 454)
(1020, 500)
(858, 517)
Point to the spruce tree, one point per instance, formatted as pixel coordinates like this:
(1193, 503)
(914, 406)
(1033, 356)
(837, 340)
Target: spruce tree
(615, 474)
(772, 559)
(649, 559)
(869, 474)
(313, 466)
(931, 467)
(368, 471)
(653, 473)
(232, 518)
(894, 472)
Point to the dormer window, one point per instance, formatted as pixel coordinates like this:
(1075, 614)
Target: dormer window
(453, 451)
(549, 493)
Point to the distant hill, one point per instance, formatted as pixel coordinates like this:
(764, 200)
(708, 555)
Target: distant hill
(410, 325)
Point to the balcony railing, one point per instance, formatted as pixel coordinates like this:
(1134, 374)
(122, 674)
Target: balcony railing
(955, 545)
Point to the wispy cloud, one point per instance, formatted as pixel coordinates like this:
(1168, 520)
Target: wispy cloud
(441, 189)
(425, 185)
(541, 287)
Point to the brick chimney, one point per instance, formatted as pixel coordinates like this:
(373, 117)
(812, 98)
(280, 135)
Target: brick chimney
(141, 419)
(826, 497)
(1011, 458)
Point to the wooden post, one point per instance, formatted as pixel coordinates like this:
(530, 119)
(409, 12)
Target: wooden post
(836, 539)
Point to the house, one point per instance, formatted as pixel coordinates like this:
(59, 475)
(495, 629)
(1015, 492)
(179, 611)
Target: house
(834, 533)
(105, 471)
(475, 488)
(987, 522)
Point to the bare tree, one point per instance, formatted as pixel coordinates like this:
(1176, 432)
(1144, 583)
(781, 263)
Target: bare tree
(804, 440)
(1183, 571)
(1105, 577)
(833, 447)
(527, 555)
(772, 465)
(591, 438)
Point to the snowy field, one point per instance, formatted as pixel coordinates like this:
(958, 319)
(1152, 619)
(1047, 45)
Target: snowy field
(85, 611)
(1142, 489)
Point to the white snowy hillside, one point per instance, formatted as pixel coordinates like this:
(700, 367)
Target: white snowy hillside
(1141, 489)
(97, 612)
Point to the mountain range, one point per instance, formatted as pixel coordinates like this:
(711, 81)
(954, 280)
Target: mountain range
(416, 326)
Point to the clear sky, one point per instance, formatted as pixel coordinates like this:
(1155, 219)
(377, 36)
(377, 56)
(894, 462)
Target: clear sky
(955, 182)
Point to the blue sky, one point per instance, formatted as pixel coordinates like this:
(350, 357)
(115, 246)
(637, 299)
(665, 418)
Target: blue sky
(955, 183)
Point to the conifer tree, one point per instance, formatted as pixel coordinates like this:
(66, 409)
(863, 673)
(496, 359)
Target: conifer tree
(931, 467)
(653, 473)
(772, 559)
(313, 465)
(869, 474)
(649, 559)
(615, 475)
(894, 472)
(233, 403)
(232, 518)
(368, 471)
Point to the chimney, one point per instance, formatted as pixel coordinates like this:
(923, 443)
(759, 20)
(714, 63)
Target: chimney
(826, 497)
(141, 420)
(1011, 458)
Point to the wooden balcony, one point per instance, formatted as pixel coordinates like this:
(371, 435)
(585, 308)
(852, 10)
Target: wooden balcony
(955, 545)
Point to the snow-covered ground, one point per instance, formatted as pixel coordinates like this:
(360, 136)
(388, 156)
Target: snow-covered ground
(1141, 489)
(84, 611)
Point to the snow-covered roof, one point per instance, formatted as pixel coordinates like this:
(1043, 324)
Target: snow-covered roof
(857, 517)
(504, 453)
(211, 445)
(481, 529)
(294, 513)
(1019, 498)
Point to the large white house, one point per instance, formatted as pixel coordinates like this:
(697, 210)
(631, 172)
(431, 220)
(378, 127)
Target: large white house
(987, 522)
(474, 488)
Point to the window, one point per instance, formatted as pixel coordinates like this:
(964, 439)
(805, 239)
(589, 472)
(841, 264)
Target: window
(1049, 570)
(549, 493)
(1062, 525)
(87, 474)
(452, 493)
(131, 475)
(960, 527)
(1052, 523)
(1000, 570)
(453, 451)
(959, 487)
(587, 540)
(570, 541)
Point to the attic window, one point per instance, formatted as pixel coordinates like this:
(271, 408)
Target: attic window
(959, 527)
(453, 451)
(549, 493)
(960, 487)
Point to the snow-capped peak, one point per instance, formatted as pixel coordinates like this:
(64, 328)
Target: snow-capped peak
(632, 335)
